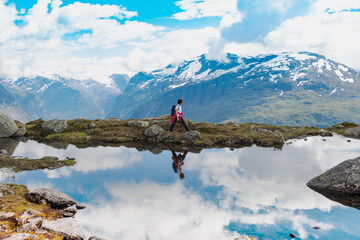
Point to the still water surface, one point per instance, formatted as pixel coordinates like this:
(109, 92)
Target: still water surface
(257, 191)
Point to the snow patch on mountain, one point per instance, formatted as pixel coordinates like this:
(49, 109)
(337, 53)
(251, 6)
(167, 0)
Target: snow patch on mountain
(191, 70)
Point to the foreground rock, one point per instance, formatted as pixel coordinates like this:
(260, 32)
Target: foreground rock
(51, 197)
(39, 221)
(68, 228)
(7, 126)
(54, 126)
(340, 183)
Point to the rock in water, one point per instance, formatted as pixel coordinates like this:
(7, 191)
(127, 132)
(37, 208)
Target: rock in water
(54, 126)
(7, 126)
(153, 131)
(69, 228)
(51, 197)
(192, 136)
(353, 132)
(340, 183)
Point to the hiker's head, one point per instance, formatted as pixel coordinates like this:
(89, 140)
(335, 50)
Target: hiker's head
(180, 101)
(181, 175)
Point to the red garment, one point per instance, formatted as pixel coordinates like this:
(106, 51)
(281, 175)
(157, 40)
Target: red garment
(173, 118)
(176, 162)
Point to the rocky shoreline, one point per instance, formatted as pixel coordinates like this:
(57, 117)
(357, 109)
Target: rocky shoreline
(113, 131)
(38, 214)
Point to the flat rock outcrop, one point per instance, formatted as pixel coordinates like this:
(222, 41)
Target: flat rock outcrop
(69, 228)
(54, 126)
(50, 197)
(7, 126)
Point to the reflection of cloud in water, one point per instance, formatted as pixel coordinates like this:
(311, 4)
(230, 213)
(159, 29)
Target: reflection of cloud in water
(150, 210)
(89, 159)
(154, 211)
(256, 177)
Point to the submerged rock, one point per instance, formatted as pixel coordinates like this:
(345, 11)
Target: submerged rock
(69, 228)
(51, 197)
(7, 126)
(54, 126)
(192, 136)
(340, 183)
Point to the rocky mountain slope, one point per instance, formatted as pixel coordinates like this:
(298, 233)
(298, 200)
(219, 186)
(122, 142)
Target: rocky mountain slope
(285, 89)
(9, 105)
(59, 97)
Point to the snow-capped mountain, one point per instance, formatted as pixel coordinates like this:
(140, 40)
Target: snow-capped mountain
(58, 97)
(9, 106)
(288, 88)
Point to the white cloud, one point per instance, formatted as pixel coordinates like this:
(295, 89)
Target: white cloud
(334, 35)
(46, 41)
(173, 46)
(149, 210)
(205, 8)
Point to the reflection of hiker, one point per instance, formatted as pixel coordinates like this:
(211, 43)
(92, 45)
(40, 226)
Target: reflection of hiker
(178, 161)
(177, 116)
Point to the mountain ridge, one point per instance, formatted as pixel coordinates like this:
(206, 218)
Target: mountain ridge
(244, 89)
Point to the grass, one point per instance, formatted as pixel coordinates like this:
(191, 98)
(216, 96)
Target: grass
(115, 131)
(24, 164)
(14, 201)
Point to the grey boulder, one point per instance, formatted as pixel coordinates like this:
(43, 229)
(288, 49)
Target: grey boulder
(50, 197)
(353, 132)
(142, 124)
(54, 126)
(340, 183)
(20, 133)
(192, 136)
(7, 126)
(153, 131)
(68, 228)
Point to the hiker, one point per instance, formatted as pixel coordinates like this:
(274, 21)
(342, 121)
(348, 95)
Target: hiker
(177, 116)
(178, 161)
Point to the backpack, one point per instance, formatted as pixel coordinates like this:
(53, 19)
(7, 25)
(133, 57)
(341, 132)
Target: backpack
(173, 110)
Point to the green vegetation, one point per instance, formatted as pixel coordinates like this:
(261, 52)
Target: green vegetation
(114, 131)
(23, 164)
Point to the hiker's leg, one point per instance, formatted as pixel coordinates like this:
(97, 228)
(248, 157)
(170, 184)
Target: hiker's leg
(184, 124)
(172, 125)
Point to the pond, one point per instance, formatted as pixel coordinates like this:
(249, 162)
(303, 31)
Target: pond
(225, 193)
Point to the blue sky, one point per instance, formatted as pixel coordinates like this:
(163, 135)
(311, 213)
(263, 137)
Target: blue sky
(94, 39)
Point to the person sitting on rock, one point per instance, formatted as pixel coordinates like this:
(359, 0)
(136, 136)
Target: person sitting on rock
(178, 161)
(177, 117)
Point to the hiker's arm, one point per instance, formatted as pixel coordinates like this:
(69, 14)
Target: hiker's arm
(177, 114)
